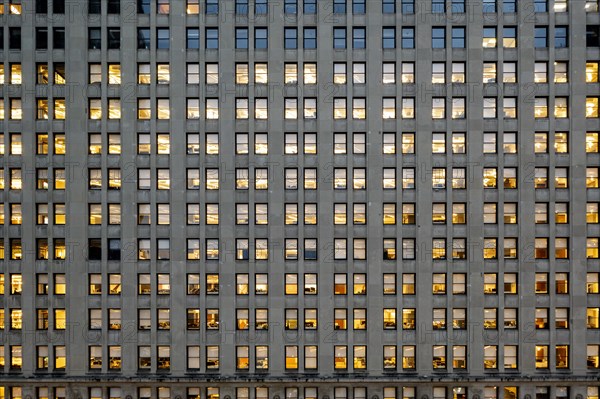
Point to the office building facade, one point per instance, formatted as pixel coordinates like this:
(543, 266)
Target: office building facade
(333, 199)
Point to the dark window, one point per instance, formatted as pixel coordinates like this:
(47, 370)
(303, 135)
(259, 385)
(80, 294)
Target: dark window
(95, 249)
(438, 37)
(408, 37)
(291, 38)
(162, 38)
(561, 37)
(540, 5)
(144, 38)
(212, 6)
(193, 38)
(94, 7)
(389, 38)
(438, 6)
(339, 6)
(408, 6)
(143, 7)
(114, 38)
(489, 6)
(260, 7)
(58, 38)
(458, 6)
(290, 6)
(310, 7)
(358, 6)
(2, 38)
(241, 7)
(114, 7)
(41, 38)
(541, 37)
(212, 38)
(14, 38)
(509, 6)
(94, 38)
(339, 37)
(359, 37)
(261, 40)
(241, 38)
(41, 6)
(388, 6)
(114, 249)
(310, 38)
(458, 37)
(593, 36)
(58, 6)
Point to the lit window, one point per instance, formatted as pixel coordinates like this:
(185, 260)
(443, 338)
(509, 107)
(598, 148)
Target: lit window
(591, 107)
(510, 107)
(561, 74)
(388, 74)
(212, 108)
(561, 107)
(438, 108)
(212, 74)
(310, 73)
(291, 73)
(339, 108)
(591, 177)
(359, 108)
(591, 72)
(509, 73)
(291, 108)
(408, 108)
(389, 108)
(260, 73)
(541, 357)
(439, 357)
(510, 143)
(489, 107)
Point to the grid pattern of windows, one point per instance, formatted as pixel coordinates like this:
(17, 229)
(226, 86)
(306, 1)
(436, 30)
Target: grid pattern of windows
(212, 187)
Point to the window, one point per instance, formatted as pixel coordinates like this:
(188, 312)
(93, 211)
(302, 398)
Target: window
(310, 38)
(591, 72)
(509, 39)
(459, 358)
(241, 38)
(541, 357)
(389, 37)
(489, 6)
(408, 72)
(438, 72)
(290, 6)
(540, 32)
(212, 37)
(408, 38)
(359, 108)
(561, 36)
(162, 38)
(310, 7)
(591, 107)
(290, 40)
(193, 38)
(339, 37)
(489, 37)
(458, 37)
(561, 72)
(438, 37)
(260, 38)
(509, 73)
(408, 108)
(458, 72)
(540, 5)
